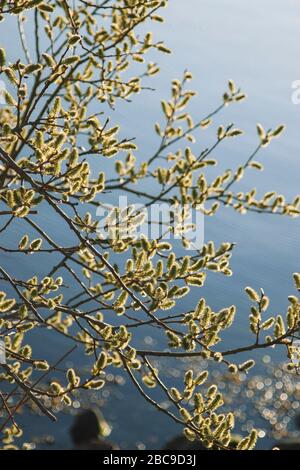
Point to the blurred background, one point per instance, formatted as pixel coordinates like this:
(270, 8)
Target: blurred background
(256, 44)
